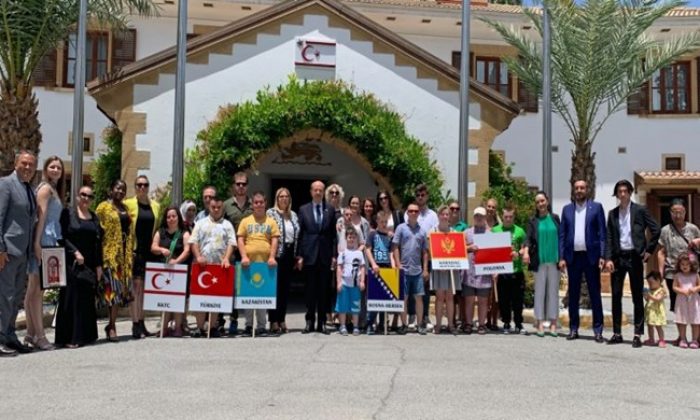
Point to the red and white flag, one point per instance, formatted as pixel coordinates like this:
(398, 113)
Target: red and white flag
(211, 288)
(165, 287)
(495, 253)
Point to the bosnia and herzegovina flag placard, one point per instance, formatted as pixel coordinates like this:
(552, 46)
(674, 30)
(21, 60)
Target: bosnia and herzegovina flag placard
(386, 291)
(256, 286)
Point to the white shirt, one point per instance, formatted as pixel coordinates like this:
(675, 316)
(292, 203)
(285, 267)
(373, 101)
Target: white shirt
(625, 229)
(580, 227)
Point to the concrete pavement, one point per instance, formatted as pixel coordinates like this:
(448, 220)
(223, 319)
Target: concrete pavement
(314, 376)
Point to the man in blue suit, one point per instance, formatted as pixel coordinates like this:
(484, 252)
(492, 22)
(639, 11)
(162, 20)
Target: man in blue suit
(581, 252)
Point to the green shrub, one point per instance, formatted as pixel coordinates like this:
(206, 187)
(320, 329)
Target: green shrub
(108, 166)
(506, 189)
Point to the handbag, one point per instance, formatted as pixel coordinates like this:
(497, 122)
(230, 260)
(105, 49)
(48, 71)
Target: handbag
(83, 275)
(692, 252)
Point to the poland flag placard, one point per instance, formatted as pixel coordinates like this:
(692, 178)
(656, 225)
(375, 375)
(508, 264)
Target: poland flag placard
(495, 253)
(165, 287)
(211, 288)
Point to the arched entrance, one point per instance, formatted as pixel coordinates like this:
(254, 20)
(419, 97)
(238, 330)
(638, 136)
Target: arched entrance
(315, 155)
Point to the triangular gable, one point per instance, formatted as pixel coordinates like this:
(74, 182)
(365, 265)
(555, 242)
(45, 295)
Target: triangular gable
(407, 54)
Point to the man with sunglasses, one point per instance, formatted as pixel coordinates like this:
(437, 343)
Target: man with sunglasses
(427, 220)
(236, 208)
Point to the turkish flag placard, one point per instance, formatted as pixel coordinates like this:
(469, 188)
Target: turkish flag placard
(494, 255)
(448, 251)
(211, 288)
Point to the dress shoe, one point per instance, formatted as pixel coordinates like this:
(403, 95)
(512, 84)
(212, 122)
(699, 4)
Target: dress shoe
(599, 338)
(323, 329)
(573, 335)
(308, 328)
(615, 339)
(7, 352)
(636, 342)
(21, 348)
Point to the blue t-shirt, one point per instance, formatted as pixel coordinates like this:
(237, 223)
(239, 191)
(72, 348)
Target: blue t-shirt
(381, 247)
(412, 241)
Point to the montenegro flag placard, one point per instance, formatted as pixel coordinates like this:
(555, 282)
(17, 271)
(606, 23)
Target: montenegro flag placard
(448, 250)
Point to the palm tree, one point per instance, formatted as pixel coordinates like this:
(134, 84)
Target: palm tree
(29, 30)
(600, 56)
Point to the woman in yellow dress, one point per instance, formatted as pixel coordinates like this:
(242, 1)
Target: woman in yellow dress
(118, 254)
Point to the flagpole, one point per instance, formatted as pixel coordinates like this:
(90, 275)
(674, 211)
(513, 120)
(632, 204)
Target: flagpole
(463, 182)
(179, 117)
(76, 180)
(546, 102)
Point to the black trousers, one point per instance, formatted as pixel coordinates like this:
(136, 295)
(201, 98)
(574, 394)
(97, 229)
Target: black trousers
(671, 293)
(285, 273)
(317, 279)
(511, 292)
(628, 263)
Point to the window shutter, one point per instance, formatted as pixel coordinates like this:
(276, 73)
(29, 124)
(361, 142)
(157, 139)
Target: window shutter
(45, 72)
(638, 102)
(123, 48)
(456, 59)
(528, 101)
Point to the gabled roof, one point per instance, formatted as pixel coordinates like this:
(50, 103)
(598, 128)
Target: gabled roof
(248, 25)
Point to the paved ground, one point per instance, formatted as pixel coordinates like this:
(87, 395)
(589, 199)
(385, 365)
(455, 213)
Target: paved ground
(316, 376)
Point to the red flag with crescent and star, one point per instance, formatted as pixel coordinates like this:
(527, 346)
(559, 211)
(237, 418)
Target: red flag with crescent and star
(211, 288)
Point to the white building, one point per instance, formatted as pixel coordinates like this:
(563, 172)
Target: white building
(650, 143)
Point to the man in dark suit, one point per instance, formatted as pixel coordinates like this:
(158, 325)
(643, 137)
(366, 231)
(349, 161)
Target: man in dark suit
(581, 251)
(317, 234)
(18, 213)
(626, 251)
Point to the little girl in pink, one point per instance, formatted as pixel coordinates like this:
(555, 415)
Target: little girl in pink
(686, 284)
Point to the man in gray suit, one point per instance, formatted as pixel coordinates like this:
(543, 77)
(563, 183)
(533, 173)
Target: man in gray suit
(17, 216)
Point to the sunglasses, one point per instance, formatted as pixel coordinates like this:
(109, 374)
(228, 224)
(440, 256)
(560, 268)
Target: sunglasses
(86, 195)
(334, 193)
(384, 197)
(454, 208)
(142, 185)
(421, 195)
(241, 184)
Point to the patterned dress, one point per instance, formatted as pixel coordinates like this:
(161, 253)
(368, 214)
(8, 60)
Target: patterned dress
(118, 255)
(655, 312)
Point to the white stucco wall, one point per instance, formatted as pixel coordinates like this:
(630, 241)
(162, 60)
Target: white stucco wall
(646, 139)
(430, 115)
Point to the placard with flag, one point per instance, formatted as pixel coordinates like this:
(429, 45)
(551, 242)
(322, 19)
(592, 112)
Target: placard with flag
(448, 251)
(494, 255)
(256, 286)
(211, 288)
(165, 287)
(386, 291)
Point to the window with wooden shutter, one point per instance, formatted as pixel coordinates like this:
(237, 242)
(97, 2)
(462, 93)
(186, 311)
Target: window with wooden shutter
(96, 56)
(638, 102)
(527, 100)
(670, 89)
(45, 72)
(123, 48)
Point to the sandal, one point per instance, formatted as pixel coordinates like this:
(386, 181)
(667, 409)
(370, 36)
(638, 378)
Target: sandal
(43, 344)
(29, 340)
(283, 328)
(649, 342)
(467, 328)
(683, 344)
(540, 333)
(694, 345)
(453, 330)
(111, 334)
(481, 330)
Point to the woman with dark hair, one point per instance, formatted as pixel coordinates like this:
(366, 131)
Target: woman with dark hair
(47, 233)
(76, 316)
(117, 254)
(171, 243)
(288, 224)
(369, 210)
(541, 253)
(384, 203)
(145, 215)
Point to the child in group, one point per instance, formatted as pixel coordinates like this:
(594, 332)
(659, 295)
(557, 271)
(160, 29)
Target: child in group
(654, 309)
(351, 281)
(686, 284)
(378, 253)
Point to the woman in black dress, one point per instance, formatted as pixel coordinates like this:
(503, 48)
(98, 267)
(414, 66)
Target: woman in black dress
(76, 320)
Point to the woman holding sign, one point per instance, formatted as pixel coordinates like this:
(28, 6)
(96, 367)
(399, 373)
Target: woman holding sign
(171, 242)
(443, 281)
(49, 200)
(76, 317)
(541, 253)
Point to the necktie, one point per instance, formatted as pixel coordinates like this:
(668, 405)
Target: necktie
(319, 216)
(30, 198)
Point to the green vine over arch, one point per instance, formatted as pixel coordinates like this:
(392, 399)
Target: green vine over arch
(242, 132)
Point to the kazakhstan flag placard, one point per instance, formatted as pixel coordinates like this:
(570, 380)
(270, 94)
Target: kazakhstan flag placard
(385, 292)
(256, 286)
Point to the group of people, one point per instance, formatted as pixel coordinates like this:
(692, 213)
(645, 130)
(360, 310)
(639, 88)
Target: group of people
(331, 244)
